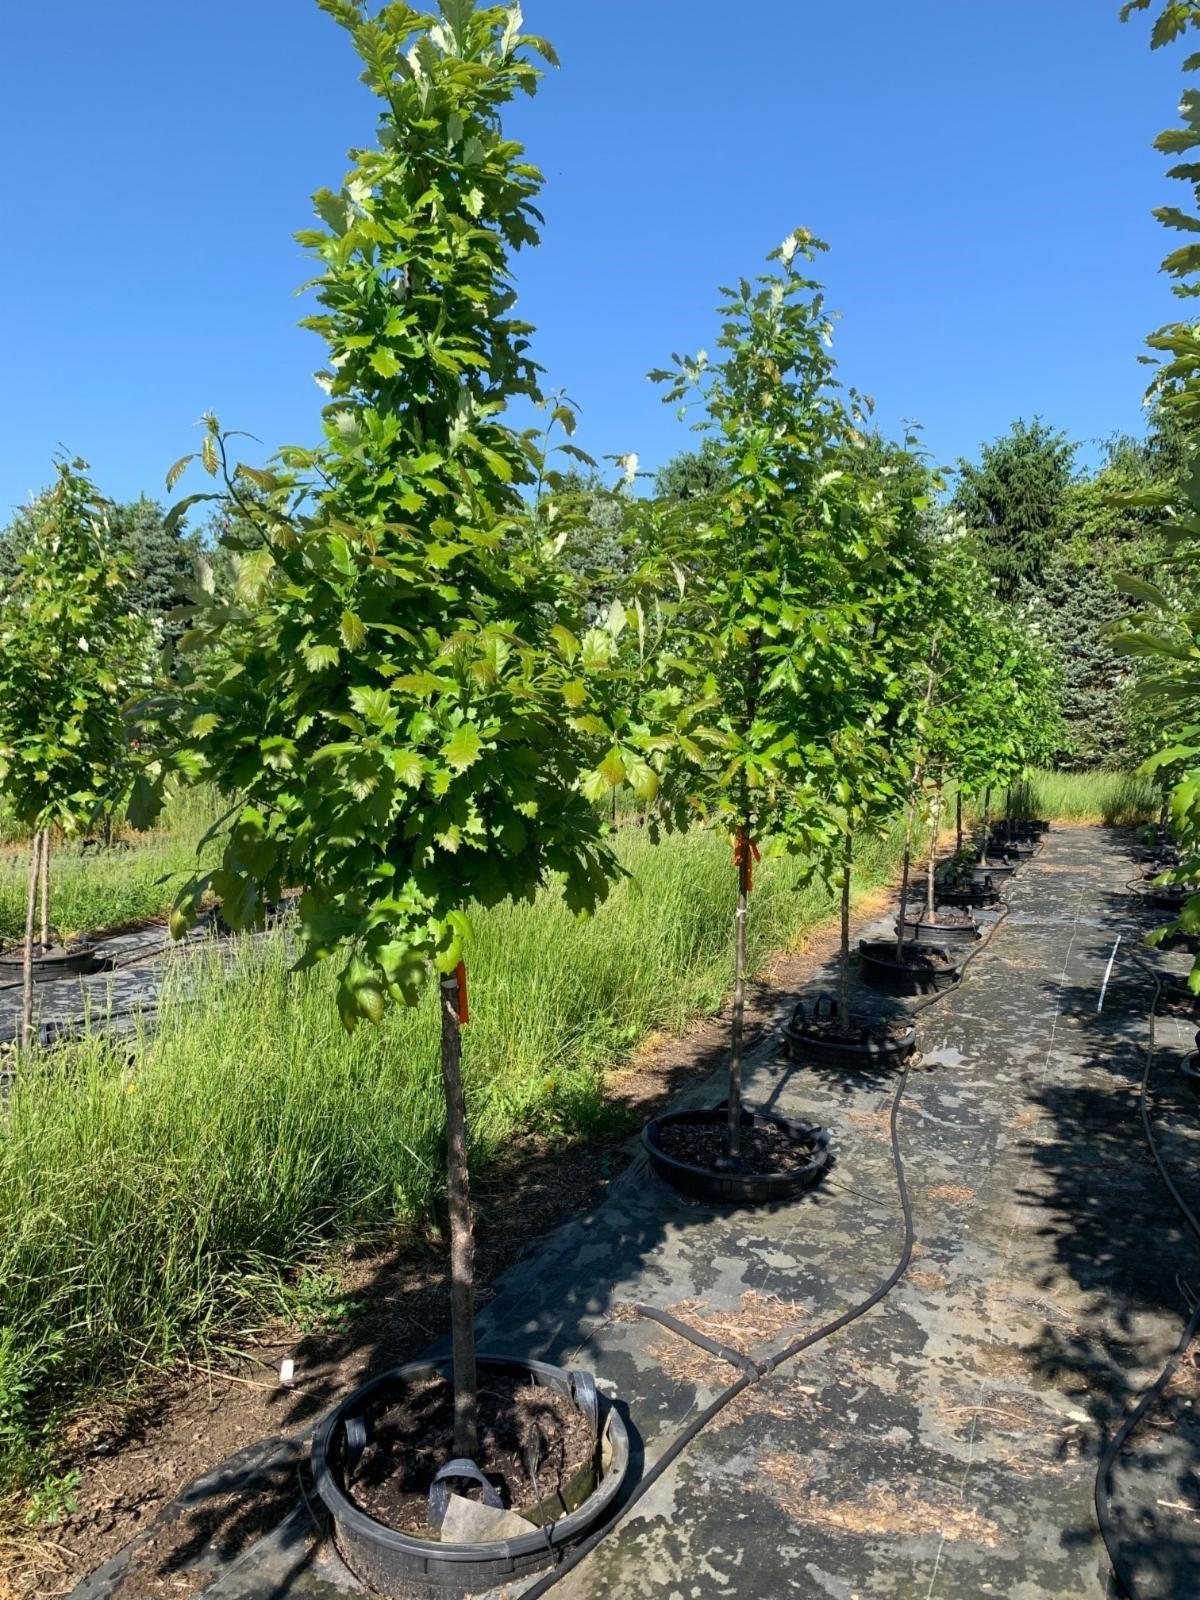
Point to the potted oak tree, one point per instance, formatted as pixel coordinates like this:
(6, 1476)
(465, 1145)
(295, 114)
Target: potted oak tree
(71, 649)
(407, 710)
(783, 549)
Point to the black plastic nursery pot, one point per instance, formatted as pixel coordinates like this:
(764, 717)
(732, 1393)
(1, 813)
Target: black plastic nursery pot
(995, 867)
(998, 850)
(56, 962)
(1033, 828)
(388, 1561)
(951, 935)
(913, 969)
(966, 892)
(739, 1186)
(1022, 849)
(1172, 898)
(1190, 1070)
(272, 910)
(997, 871)
(818, 1040)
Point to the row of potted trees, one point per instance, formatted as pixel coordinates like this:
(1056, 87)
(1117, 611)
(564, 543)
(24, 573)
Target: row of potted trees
(417, 708)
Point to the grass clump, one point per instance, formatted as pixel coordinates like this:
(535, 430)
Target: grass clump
(1113, 798)
(146, 1208)
(133, 880)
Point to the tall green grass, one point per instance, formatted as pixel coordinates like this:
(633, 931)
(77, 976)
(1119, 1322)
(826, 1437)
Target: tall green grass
(107, 888)
(146, 1209)
(1114, 798)
(111, 888)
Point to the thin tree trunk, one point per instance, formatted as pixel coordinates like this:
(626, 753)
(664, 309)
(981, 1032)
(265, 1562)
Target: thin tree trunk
(987, 825)
(844, 992)
(462, 1233)
(35, 867)
(935, 832)
(906, 871)
(46, 889)
(918, 773)
(960, 822)
(734, 1133)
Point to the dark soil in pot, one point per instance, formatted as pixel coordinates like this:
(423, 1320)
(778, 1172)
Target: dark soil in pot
(911, 969)
(824, 1038)
(390, 1560)
(765, 1149)
(834, 1031)
(535, 1447)
(780, 1157)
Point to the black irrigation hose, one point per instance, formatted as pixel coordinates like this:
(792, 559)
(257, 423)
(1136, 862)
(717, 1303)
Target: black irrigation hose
(749, 1377)
(753, 1372)
(1104, 1484)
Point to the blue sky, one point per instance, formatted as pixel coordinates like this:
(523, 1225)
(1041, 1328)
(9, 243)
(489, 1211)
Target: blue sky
(983, 173)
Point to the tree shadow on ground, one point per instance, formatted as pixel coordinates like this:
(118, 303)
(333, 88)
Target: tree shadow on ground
(1114, 1231)
(397, 1293)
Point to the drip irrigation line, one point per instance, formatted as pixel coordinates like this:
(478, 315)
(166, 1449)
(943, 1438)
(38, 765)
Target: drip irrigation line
(1104, 1472)
(753, 1372)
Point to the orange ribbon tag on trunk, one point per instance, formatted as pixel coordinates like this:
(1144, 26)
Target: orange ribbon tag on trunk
(746, 851)
(464, 1013)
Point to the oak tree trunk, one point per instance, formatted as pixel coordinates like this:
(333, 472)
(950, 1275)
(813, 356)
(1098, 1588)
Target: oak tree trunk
(918, 774)
(35, 867)
(987, 825)
(935, 832)
(46, 889)
(844, 991)
(906, 869)
(462, 1233)
(960, 823)
(734, 1134)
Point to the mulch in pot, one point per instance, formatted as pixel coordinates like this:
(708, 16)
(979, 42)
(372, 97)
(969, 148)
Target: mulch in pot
(532, 1443)
(765, 1148)
(835, 1031)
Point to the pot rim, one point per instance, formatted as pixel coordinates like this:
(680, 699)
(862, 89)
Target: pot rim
(536, 1542)
(817, 1137)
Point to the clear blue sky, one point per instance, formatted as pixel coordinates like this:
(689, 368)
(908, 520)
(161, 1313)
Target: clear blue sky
(982, 171)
